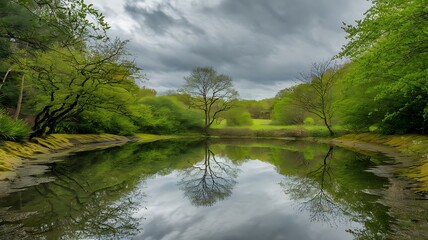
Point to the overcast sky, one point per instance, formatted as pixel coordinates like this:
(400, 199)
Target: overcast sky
(261, 44)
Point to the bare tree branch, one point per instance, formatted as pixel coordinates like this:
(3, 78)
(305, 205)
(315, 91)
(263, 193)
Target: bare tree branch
(209, 92)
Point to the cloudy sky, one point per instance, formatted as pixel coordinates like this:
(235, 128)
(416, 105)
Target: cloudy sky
(261, 44)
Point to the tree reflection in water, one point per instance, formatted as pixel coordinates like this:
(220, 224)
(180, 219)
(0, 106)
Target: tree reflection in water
(313, 189)
(208, 181)
(73, 209)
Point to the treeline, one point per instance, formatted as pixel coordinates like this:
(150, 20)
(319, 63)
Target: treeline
(384, 85)
(61, 73)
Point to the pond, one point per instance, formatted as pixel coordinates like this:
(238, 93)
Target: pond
(218, 189)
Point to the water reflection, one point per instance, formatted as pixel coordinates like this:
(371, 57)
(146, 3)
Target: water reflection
(332, 193)
(97, 194)
(73, 208)
(208, 181)
(313, 189)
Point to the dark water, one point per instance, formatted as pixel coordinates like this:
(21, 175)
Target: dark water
(231, 189)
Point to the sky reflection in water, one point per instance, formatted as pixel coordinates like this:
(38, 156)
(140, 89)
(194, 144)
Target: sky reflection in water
(258, 208)
(199, 190)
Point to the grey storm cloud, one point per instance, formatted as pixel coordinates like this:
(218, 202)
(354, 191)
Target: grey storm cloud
(158, 20)
(279, 17)
(255, 42)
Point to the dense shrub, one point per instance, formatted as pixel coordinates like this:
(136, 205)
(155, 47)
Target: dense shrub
(161, 115)
(238, 117)
(171, 116)
(309, 121)
(286, 113)
(98, 121)
(11, 129)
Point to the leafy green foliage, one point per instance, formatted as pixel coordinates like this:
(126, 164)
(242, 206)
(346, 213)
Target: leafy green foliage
(209, 92)
(65, 55)
(99, 121)
(11, 129)
(286, 113)
(67, 83)
(309, 121)
(171, 116)
(238, 117)
(258, 109)
(38, 24)
(313, 97)
(388, 50)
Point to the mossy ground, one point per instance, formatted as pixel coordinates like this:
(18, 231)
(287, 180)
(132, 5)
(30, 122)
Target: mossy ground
(12, 153)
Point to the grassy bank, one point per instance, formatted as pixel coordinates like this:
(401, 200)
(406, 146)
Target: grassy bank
(415, 146)
(265, 129)
(13, 153)
(411, 151)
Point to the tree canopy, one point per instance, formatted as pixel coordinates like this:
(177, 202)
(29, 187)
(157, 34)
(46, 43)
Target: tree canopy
(210, 92)
(389, 54)
(77, 80)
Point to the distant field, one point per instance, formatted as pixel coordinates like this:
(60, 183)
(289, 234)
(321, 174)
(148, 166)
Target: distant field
(265, 128)
(266, 124)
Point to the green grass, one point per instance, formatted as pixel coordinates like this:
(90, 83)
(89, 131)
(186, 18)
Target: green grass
(265, 128)
(145, 137)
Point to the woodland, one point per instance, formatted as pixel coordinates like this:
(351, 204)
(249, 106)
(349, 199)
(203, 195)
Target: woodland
(61, 73)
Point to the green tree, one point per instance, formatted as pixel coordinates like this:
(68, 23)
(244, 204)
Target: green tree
(315, 94)
(258, 109)
(170, 116)
(238, 117)
(67, 83)
(41, 23)
(285, 111)
(208, 181)
(35, 28)
(356, 108)
(388, 49)
(210, 92)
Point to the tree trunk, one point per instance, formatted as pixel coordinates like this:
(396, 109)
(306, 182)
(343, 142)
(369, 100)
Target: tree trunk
(207, 122)
(5, 77)
(328, 127)
(19, 103)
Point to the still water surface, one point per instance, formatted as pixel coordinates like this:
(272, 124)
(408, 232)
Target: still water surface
(234, 189)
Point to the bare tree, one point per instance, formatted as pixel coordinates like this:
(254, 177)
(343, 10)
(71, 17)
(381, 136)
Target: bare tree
(315, 94)
(210, 92)
(312, 191)
(208, 181)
